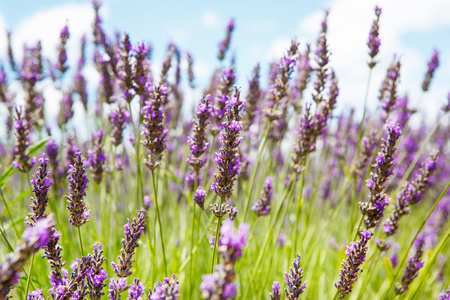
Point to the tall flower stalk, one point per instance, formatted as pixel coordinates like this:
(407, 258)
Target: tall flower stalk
(78, 214)
(227, 158)
(154, 139)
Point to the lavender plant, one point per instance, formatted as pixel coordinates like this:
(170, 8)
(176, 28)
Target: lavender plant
(140, 111)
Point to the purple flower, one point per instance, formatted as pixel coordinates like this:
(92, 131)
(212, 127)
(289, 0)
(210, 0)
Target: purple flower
(225, 44)
(35, 295)
(41, 185)
(154, 133)
(169, 290)
(118, 119)
(262, 206)
(374, 41)
(199, 197)
(66, 109)
(413, 267)
(432, 66)
(97, 157)
(132, 234)
(136, 290)
(275, 295)
(38, 234)
(77, 190)
(61, 65)
(356, 255)
(378, 200)
(232, 243)
(147, 201)
(295, 286)
(198, 139)
(227, 158)
(445, 295)
(116, 287)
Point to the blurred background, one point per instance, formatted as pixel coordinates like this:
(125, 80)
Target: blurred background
(263, 29)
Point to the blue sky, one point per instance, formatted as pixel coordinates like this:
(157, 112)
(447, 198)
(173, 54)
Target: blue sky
(410, 28)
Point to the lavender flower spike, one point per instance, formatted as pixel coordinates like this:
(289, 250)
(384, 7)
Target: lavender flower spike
(22, 160)
(118, 119)
(199, 197)
(227, 158)
(169, 290)
(378, 200)
(374, 41)
(295, 286)
(62, 53)
(445, 295)
(262, 206)
(432, 66)
(275, 295)
(77, 190)
(414, 265)
(98, 275)
(198, 140)
(116, 287)
(136, 290)
(97, 157)
(225, 44)
(132, 234)
(356, 255)
(35, 238)
(35, 295)
(154, 133)
(41, 185)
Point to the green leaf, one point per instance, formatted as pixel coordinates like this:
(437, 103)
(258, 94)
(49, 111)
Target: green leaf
(18, 198)
(33, 149)
(389, 269)
(7, 173)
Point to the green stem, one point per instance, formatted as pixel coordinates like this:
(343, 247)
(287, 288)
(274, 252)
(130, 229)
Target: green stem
(159, 221)
(418, 154)
(9, 214)
(405, 256)
(361, 125)
(210, 158)
(255, 169)
(191, 275)
(273, 222)
(29, 277)
(81, 242)
(219, 222)
(299, 211)
(139, 187)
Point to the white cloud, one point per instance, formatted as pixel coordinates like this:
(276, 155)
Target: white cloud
(47, 24)
(278, 48)
(348, 27)
(210, 19)
(3, 41)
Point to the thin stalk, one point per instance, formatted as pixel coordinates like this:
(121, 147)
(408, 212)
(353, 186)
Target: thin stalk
(81, 242)
(159, 221)
(415, 237)
(29, 277)
(139, 187)
(255, 169)
(192, 239)
(219, 222)
(210, 158)
(269, 235)
(418, 154)
(9, 214)
(361, 125)
(299, 211)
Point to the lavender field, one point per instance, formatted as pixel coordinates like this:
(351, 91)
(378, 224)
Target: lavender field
(262, 189)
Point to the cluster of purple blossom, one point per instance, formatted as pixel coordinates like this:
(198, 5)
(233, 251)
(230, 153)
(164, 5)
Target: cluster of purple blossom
(239, 131)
